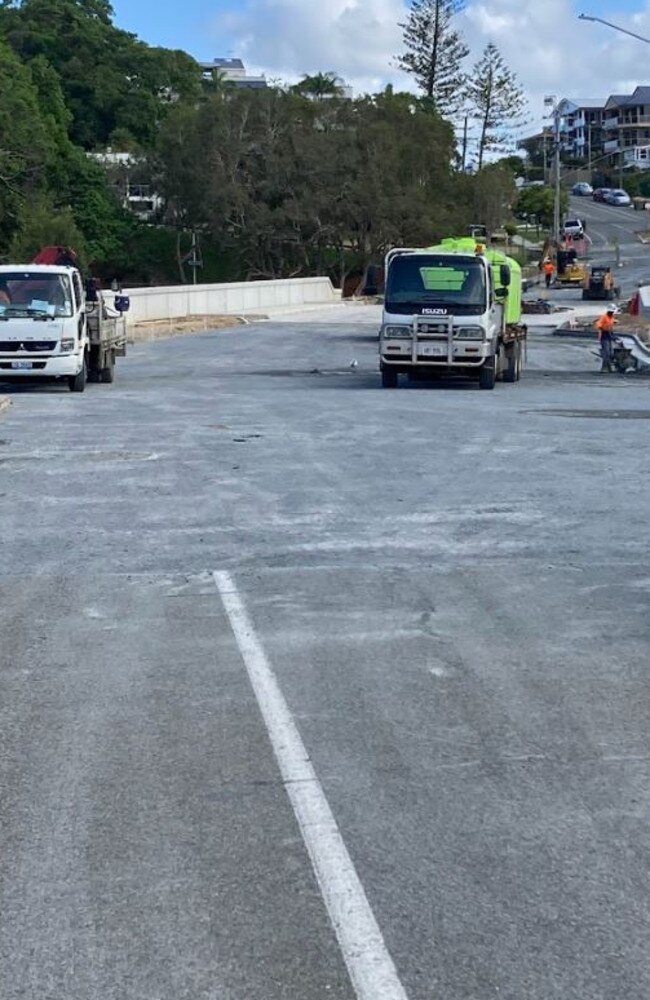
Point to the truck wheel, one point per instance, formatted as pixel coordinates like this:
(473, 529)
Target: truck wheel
(77, 383)
(389, 378)
(107, 374)
(487, 375)
(512, 359)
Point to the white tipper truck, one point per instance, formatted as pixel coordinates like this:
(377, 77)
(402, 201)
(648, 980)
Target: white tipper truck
(451, 309)
(52, 327)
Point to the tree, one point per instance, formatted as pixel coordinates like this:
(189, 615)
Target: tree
(319, 86)
(289, 186)
(515, 164)
(539, 201)
(43, 224)
(26, 145)
(494, 194)
(109, 79)
(435, 51)
(497, 99)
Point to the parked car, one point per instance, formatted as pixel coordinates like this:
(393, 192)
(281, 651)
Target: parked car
(618, 197)
(574, 228)
(582, 189)
(599, 194)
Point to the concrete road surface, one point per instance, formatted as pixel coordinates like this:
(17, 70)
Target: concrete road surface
(433, 602)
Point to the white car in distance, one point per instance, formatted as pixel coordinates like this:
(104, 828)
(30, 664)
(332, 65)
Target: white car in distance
(574, 228)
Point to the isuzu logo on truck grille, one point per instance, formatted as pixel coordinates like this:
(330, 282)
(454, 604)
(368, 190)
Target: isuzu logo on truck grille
(435, 312)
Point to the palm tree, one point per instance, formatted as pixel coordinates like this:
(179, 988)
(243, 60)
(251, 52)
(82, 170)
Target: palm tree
(218, 83)
(319, 85)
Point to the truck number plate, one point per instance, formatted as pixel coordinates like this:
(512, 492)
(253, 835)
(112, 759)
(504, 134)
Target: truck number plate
(432, 350)
(22, 365)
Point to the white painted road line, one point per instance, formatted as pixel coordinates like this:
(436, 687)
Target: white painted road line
(369, 964)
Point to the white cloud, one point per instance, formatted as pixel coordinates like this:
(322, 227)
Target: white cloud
(549, 49)
(358, 39)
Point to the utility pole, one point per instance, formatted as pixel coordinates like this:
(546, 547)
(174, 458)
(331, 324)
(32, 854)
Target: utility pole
(465, 141)
(556, 204)
(552, 104)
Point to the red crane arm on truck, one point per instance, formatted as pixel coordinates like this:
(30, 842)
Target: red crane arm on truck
(59, 256)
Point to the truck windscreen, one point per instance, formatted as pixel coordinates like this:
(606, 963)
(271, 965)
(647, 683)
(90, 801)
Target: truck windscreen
(34, 293)
(417, 282)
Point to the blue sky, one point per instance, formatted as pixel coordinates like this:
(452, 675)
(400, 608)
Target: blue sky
(182, 24)
(193, 24)
(542, 41)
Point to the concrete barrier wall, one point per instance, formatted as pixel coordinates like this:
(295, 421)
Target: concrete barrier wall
(238, 299)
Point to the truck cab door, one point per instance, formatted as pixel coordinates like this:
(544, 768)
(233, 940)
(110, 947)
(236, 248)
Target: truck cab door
(80, 306)
(495, 313)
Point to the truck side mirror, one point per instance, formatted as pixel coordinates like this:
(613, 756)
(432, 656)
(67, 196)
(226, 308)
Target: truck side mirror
(122, 303)
(504, 274)
(501, 293)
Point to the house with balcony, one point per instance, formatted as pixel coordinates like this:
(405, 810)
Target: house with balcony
(234, 72)
(626, 129)
(127, 175)
(581, 132)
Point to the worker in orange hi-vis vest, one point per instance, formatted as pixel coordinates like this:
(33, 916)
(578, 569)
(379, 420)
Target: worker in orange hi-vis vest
(605, 327)
(548, 268)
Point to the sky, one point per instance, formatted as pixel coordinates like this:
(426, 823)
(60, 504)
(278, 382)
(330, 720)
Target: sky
(542, 41)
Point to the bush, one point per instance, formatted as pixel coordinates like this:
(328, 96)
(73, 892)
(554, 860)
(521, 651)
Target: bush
(40, 225)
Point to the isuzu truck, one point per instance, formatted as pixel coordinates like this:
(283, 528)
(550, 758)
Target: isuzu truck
(454, 308)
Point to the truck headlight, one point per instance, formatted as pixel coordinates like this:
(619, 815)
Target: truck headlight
(67, 345)
(470, 333)
(397, 331)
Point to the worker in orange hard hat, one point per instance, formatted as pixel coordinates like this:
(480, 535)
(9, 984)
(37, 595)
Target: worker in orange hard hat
(605, 327)
(548, 268)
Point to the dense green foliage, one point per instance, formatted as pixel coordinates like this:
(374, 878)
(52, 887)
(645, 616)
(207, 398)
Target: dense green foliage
(109, 79)
(296, 186)
(537, 202)
(71, 81)
(275, 182)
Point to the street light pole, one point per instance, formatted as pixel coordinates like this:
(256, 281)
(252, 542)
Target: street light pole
(616, 27)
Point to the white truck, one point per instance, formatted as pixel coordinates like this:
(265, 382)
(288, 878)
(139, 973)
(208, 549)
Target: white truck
(451, 309)
(51, 327)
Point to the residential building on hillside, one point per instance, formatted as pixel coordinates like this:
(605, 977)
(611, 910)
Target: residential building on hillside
(581, 127)
(127, 176)
(233, 71)
(626, 128)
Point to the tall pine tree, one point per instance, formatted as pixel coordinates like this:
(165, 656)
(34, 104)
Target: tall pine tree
(497, 100)
(434, 52)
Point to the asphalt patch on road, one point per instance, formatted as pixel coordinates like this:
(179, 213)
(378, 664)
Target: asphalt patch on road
(595, 414)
